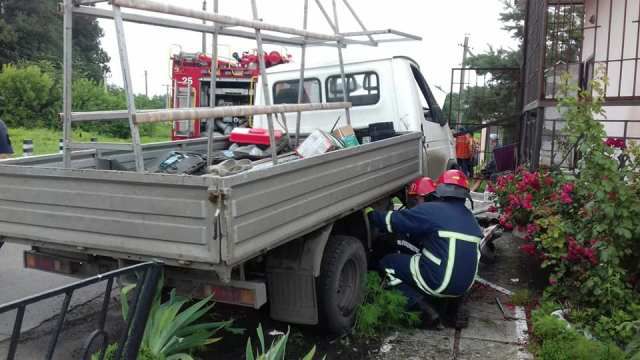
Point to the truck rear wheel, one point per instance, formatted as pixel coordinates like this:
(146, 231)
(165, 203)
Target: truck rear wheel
(341, 282)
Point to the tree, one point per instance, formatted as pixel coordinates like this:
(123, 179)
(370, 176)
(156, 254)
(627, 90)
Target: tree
(28, 97)
(495, 98)
(31, 30)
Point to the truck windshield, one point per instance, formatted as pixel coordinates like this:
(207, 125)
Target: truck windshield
(433, 112)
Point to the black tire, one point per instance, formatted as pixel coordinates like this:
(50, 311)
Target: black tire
(341, 283)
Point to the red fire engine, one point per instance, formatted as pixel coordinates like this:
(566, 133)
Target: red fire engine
(191, 78)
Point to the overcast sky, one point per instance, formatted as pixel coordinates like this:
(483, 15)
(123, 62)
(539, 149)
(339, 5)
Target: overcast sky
(441, 23)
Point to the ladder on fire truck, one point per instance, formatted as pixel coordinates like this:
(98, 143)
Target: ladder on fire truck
(221, 25)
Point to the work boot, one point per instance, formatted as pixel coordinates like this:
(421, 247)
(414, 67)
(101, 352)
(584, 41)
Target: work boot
(456, 315)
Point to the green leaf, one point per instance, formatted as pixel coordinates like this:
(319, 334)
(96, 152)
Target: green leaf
(249, 351)
(261, 338)
(181, 356)
(310, 355)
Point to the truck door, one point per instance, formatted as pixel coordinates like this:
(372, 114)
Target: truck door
(438, 139)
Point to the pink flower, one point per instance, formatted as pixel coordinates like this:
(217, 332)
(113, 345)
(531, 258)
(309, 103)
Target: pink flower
(490, 188)
(568, 187)
(529, 249)
(514, 201)
(532, 229)
(553, 280)
(526, 201)
(548, 180)
(492, 209)
(566, 199)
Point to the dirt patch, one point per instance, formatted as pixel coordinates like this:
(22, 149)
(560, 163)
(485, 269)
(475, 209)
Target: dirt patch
(301, 338)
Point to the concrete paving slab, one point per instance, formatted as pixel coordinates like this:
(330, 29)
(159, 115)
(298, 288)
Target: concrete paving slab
(490, 329)
(421, 345)
(471, 349)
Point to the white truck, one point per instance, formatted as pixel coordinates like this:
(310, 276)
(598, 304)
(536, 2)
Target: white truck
(293, 233)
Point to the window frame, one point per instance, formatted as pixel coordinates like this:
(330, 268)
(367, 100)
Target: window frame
(315, 79)
(425, 92)
(347, 75)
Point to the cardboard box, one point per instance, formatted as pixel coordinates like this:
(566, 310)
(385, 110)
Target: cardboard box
(317, 143)
(346, 136)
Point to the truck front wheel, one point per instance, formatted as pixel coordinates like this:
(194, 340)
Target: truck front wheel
(341, 282)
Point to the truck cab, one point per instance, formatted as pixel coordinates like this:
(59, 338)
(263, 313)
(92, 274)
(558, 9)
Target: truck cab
(385, 90)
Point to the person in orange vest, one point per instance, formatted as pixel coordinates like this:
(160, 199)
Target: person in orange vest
(464, 151)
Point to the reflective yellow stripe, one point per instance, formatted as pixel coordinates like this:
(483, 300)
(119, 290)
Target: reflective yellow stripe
(417, 277)
(453, 238)
(450, 262)
(431, 257)
(458, 236)
(393, 281)
(388, 221)
(476, 273)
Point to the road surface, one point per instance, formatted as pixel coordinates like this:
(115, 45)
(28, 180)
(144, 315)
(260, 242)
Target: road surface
(17, 282)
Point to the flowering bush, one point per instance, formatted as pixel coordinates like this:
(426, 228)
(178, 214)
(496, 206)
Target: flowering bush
(584, 227)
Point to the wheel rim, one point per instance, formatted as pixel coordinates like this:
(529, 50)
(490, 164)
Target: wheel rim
(348, 285)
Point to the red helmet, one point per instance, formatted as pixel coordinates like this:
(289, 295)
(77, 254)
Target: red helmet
(453, 184)
(422, 187)
(454, 177)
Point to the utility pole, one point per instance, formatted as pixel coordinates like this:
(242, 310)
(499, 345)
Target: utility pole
(204, 35)
(146, 86)
(167, 101)
(465, 51)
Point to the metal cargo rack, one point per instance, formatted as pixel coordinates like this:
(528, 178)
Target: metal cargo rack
(219, 25)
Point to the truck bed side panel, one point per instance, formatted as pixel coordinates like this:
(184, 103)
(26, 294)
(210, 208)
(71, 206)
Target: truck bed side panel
(97, 210)
(298, 197)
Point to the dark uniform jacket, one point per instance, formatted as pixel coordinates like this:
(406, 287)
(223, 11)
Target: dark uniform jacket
(448, 235)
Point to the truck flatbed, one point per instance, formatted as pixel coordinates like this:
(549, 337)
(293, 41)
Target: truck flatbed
(201, 222)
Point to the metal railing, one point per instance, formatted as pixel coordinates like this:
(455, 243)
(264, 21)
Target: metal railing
(221, 25)
(128, 344)
(486, 102)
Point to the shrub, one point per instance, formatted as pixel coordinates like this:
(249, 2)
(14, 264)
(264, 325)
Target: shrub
(277, 350)
(383, 309)
(172, 331)
(584, 227)
(559, 342)
(32, 98)
(29, 97)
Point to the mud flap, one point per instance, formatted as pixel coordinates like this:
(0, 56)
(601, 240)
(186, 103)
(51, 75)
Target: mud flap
(291, 278)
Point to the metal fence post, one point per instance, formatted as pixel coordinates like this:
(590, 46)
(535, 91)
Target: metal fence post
(143, 308)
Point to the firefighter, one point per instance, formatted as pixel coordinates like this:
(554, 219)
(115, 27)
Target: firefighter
(420, 191)
(448, 236)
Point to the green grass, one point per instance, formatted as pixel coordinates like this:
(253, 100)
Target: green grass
(555, 341)
(521, 297)
(45, 141)
(383, 310)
